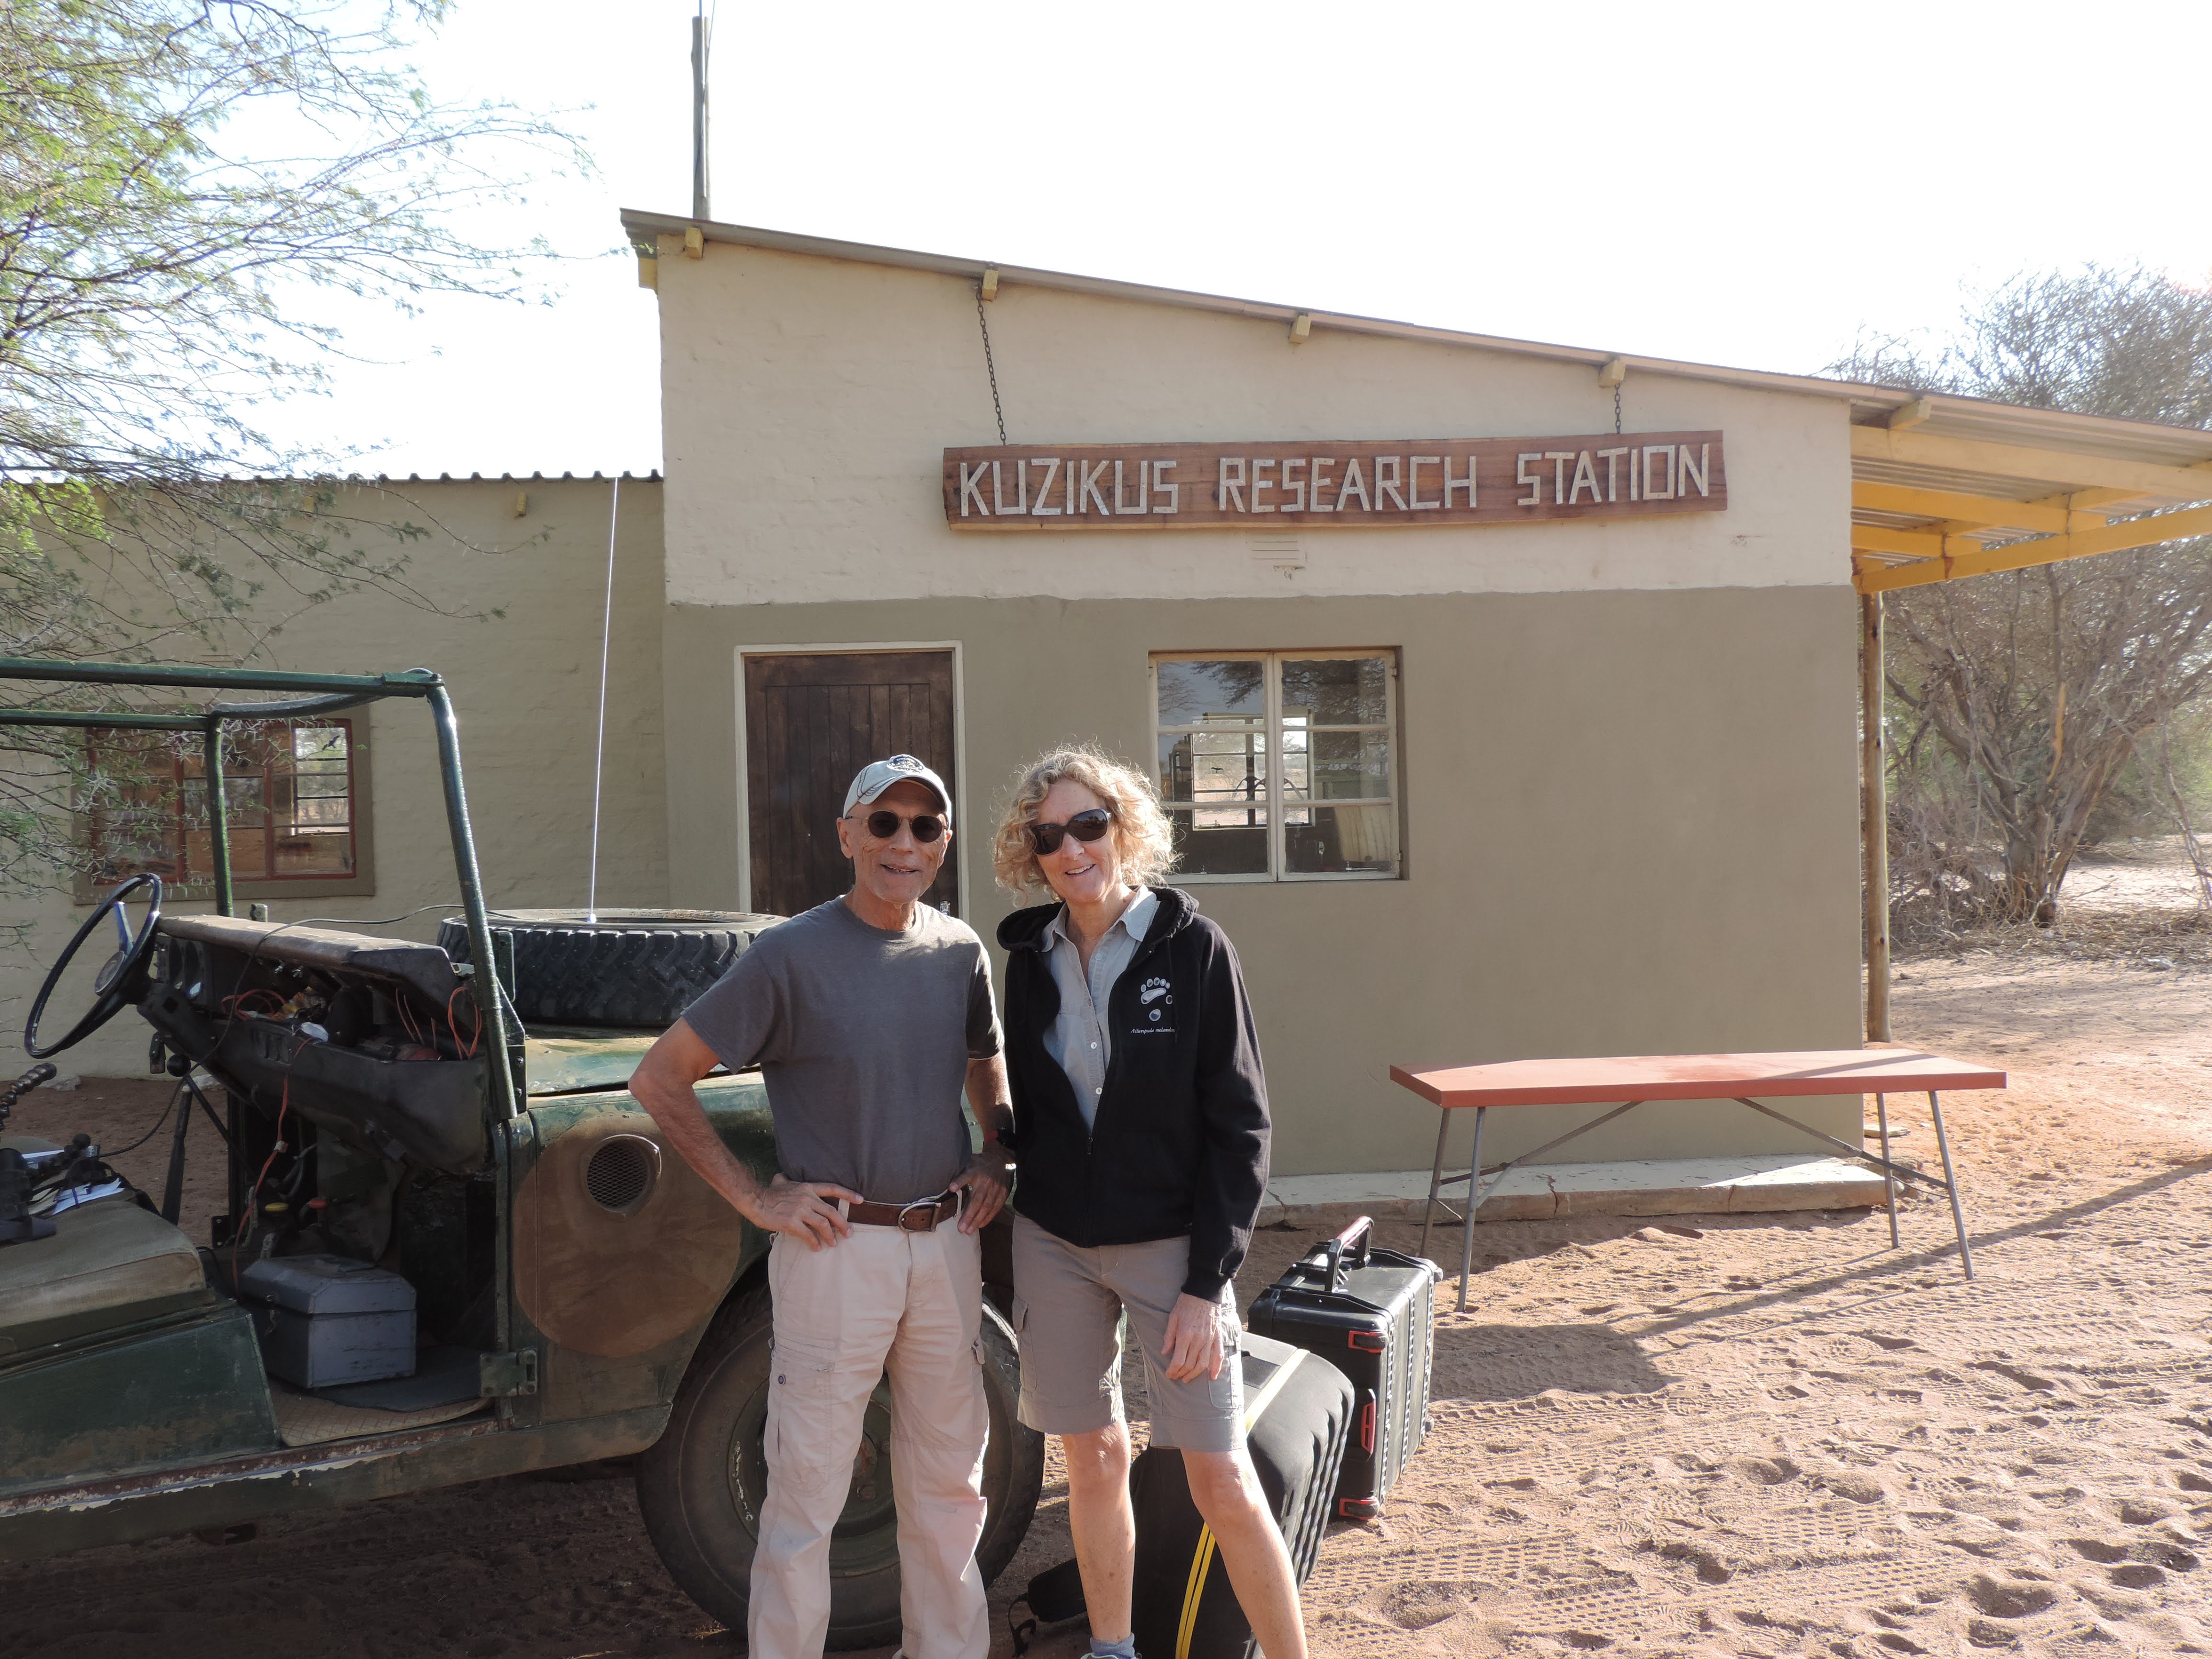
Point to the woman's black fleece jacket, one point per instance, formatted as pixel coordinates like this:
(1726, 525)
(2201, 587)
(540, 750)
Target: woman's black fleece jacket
(1180, 1138)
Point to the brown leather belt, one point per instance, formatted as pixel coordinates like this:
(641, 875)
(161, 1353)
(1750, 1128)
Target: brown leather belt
(922, 1216)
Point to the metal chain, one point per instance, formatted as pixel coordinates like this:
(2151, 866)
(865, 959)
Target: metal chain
(1616, 409)
(990, 368)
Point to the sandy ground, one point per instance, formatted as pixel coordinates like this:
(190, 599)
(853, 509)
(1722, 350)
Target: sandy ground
(2132, 876)
(1761, 1435)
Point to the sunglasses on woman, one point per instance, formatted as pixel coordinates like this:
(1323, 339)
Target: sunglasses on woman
(1084, 826)
(882, 825)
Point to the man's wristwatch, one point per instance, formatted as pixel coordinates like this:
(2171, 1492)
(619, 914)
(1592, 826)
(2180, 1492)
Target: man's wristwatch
(998, 1152)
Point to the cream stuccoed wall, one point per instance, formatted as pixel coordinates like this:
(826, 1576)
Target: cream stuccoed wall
(1628, 748)
(526, 687)
(1625, 817)
(806, 403)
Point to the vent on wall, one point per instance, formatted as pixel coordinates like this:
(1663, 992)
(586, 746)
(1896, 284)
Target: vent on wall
(622, 1173)
(1277, 549)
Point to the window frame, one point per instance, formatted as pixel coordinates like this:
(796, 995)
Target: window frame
(91, 888)
(1273, 726)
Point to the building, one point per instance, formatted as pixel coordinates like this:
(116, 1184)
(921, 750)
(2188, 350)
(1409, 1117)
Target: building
(1604, 750)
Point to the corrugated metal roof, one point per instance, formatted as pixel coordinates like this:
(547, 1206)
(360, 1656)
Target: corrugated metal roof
(491, 477)
(379, 478)
(2039, 456)
(2080, 434)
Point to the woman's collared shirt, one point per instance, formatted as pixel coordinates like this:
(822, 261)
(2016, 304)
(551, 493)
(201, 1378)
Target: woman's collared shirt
(1079, 1037)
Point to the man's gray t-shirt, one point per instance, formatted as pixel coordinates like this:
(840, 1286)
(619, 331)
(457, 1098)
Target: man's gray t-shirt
(863, 1037)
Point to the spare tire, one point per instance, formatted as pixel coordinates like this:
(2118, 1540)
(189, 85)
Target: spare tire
(625, 967)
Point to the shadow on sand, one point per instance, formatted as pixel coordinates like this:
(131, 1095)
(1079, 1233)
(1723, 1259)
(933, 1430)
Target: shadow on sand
(1519, 1362)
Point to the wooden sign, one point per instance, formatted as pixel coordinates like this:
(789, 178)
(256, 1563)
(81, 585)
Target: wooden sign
(1324, 484)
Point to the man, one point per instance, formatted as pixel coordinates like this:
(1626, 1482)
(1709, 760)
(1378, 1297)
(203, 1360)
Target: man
(866, 1015)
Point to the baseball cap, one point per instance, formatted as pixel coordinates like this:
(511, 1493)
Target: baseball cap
(879, 776)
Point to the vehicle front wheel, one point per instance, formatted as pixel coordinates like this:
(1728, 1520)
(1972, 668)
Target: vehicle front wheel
(702, 1484)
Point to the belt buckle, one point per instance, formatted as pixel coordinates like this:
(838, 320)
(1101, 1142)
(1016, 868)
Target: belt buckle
(927, 1220)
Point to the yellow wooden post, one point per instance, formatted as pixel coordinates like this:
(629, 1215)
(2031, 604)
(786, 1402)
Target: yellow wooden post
(1874, 819)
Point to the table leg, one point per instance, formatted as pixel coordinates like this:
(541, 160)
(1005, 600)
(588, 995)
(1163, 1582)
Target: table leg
(1958, 1215)
(1435, 1177)
(1473, 1202)
(1888, 1181)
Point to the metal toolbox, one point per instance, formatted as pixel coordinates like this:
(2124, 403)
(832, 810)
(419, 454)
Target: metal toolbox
(327, 1320)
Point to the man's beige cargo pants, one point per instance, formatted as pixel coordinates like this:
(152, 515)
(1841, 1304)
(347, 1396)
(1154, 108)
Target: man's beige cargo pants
(882, 1298)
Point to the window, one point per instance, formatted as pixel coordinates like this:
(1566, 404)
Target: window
(1280, 765)
(294, 790)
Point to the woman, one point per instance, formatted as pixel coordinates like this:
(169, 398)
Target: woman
(1142, 1155)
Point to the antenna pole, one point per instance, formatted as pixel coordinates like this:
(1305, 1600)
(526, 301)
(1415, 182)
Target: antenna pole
(606, 656)
(700, 42)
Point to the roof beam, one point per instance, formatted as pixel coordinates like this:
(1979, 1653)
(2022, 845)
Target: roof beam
(1961, 509)
(2082, 500)
(2022, 555)
(1907, 544)
(2054, 466)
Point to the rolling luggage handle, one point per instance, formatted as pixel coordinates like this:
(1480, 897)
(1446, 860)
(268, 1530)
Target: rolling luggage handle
(1326, 1262)
(1361, 1232)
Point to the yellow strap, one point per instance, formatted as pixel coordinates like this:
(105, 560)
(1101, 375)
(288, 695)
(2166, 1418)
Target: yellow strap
(1201, 1560)
(1201, 1563)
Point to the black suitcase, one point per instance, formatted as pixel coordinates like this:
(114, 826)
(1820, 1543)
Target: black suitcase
(1371, 1313)
(1297, 1418)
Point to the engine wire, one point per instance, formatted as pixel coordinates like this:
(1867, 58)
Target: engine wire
(253, 1192)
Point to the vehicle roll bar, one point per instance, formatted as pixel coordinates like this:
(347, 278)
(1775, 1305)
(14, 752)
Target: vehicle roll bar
(311, 693)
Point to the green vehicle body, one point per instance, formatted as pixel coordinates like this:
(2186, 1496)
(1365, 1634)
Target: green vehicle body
(164, 1424)
(153, 1414)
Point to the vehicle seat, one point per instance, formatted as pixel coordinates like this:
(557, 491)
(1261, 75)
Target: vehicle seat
(109, 1263)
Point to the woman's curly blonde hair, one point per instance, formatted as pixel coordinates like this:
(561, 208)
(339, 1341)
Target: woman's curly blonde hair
(1141, 835)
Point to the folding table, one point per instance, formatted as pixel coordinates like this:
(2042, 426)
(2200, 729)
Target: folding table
(1637, 1079)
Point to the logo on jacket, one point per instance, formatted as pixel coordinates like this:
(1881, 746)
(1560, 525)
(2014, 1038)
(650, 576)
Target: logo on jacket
(1153, 990)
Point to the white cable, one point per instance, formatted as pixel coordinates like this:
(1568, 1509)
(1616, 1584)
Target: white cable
(606, 652)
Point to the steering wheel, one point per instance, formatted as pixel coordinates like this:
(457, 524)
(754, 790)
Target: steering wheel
(121, 978)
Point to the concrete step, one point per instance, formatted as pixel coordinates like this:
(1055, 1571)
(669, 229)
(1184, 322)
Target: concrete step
(1537, 1192)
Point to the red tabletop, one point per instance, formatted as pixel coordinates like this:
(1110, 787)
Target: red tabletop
(1695, 1076)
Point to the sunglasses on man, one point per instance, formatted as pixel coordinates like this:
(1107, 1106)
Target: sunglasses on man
(883, 824)
(1084, 826)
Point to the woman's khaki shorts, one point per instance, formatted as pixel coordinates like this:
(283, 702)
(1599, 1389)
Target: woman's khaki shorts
(1068, 1303)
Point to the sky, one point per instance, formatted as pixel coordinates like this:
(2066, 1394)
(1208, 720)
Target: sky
(1750, 185)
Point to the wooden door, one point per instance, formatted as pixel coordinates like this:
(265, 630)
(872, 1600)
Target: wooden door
(812, 720)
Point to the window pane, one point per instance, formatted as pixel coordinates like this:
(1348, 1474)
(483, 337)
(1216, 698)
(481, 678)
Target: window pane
(1225, 693)
(316, 742)
(1341, 839)
(1226, 771)
(1336, 691)
(330, 814)
(134, 839)
(1232, 849)
(315, 853)
(249, 853)
(1349, 765)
